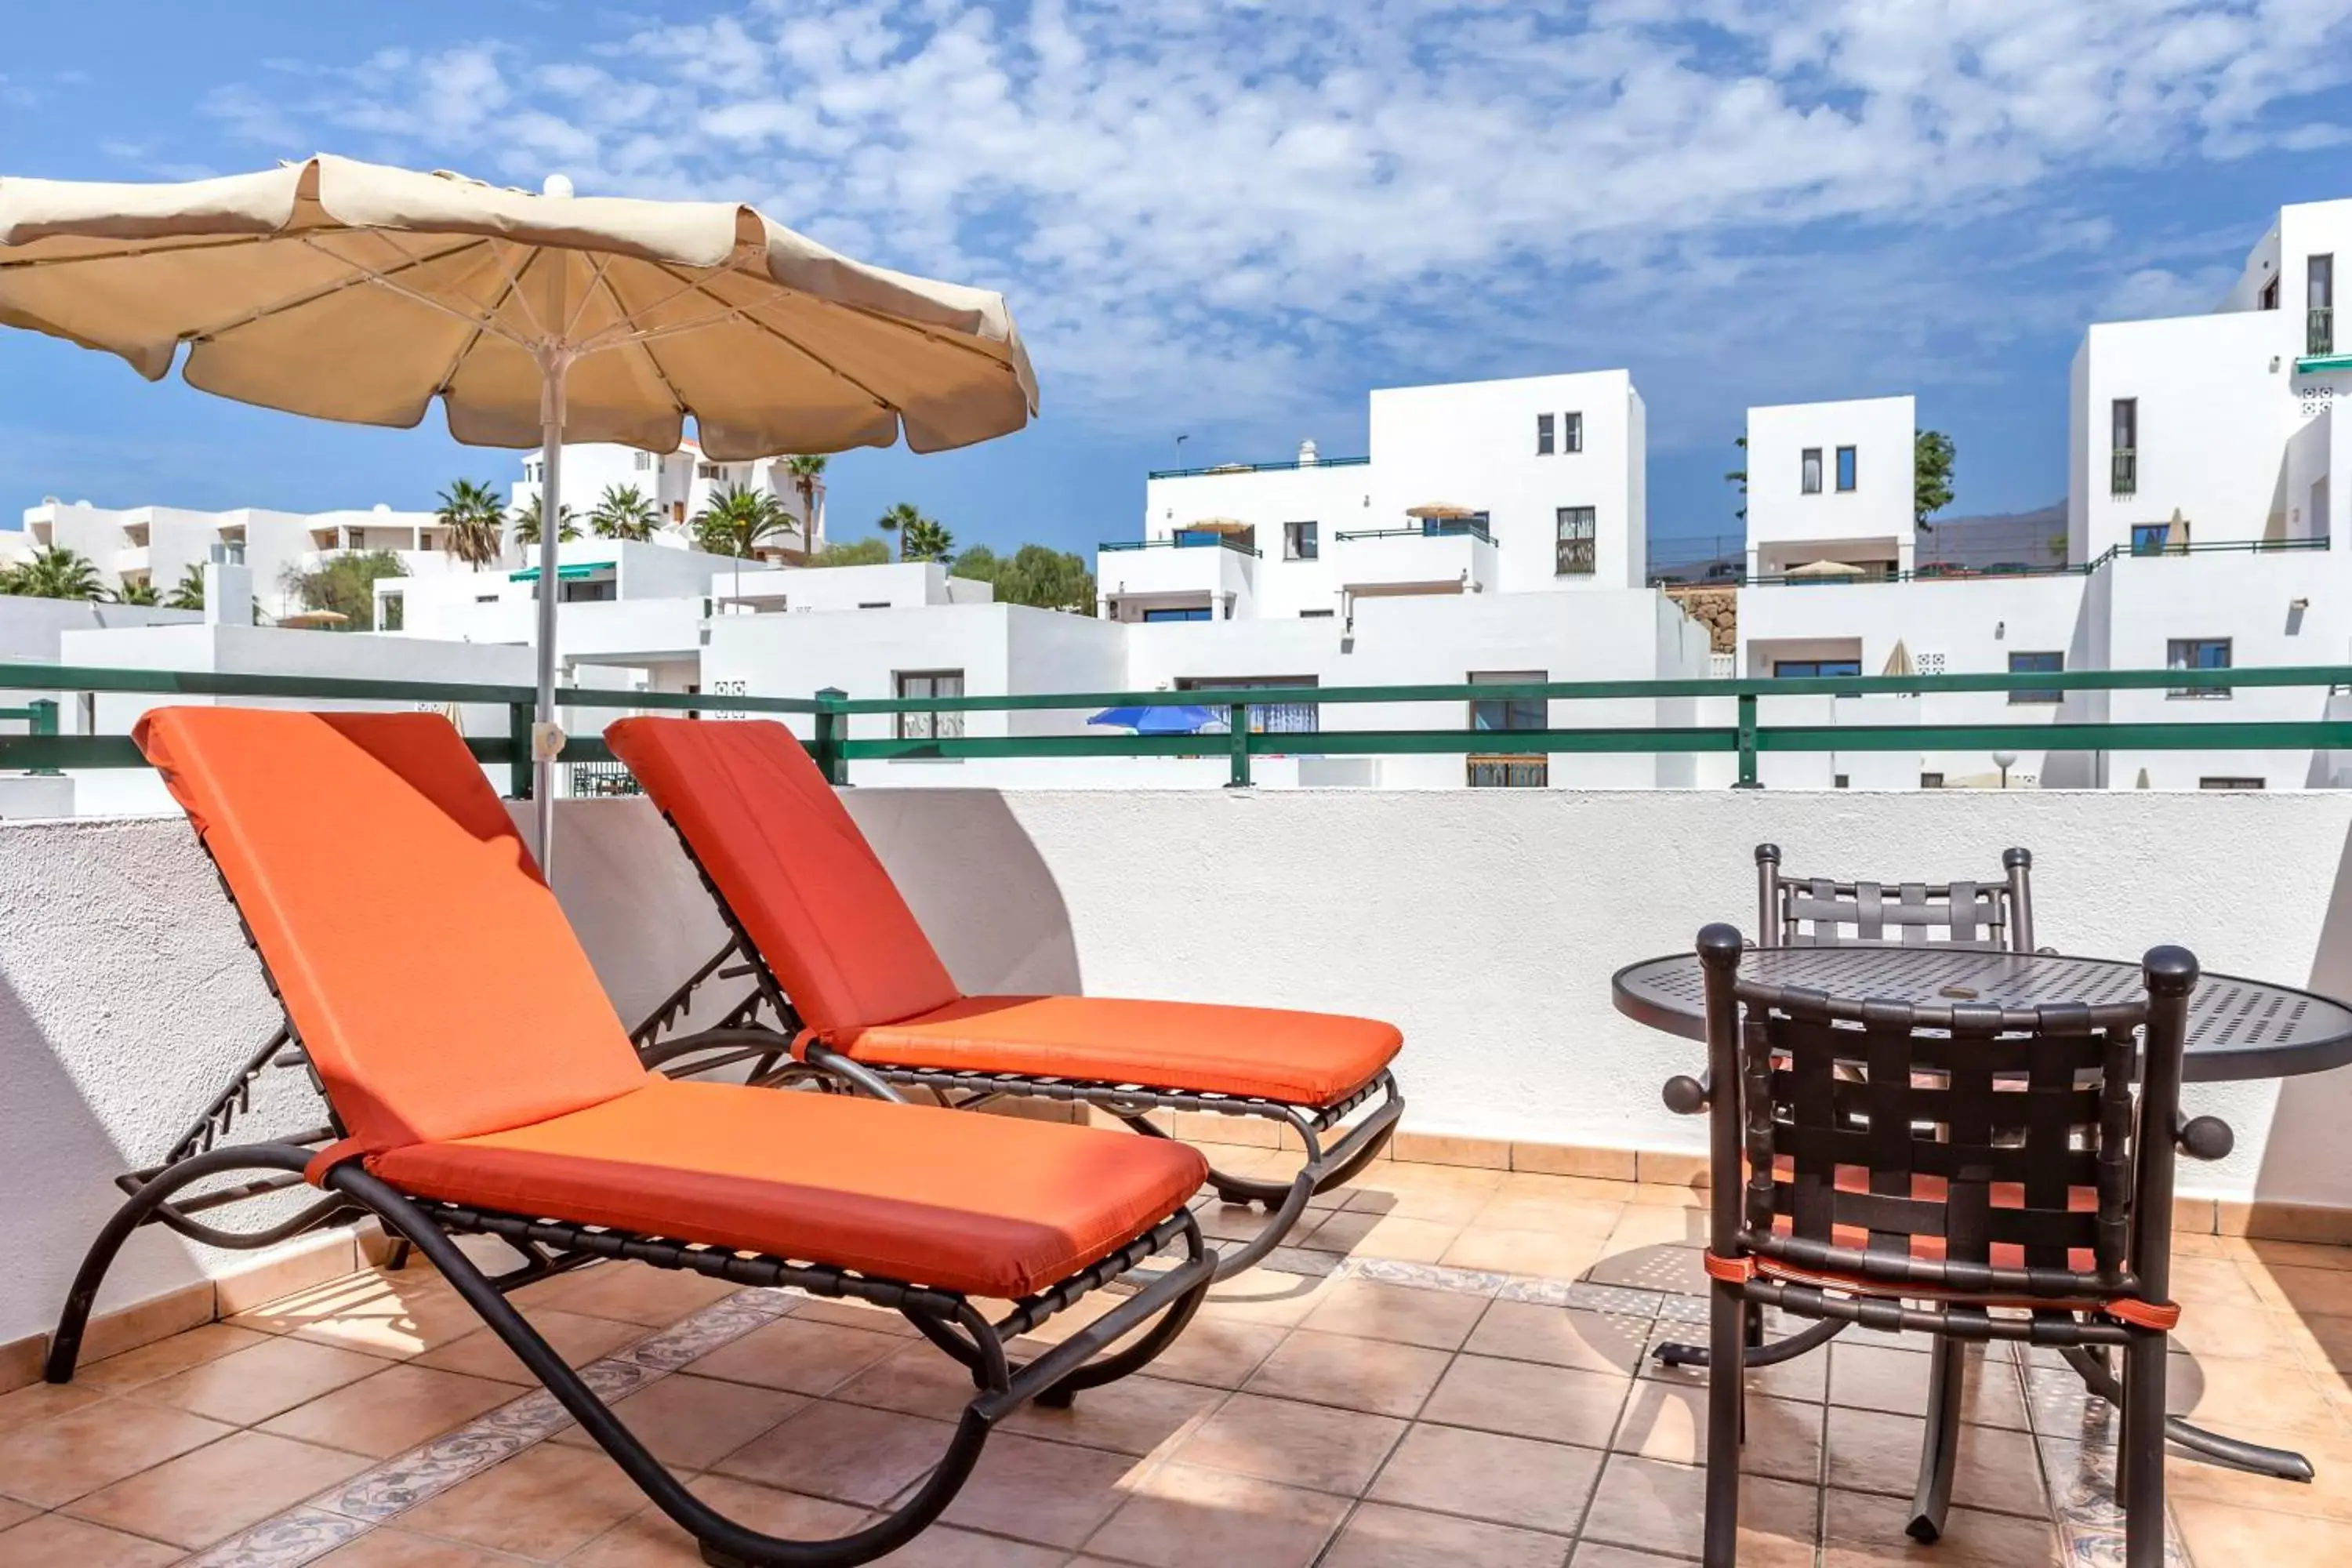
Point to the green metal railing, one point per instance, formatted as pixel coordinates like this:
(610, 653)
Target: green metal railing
(1448, 529)
(1945, 572)
(40, 717)
(835, 747)
(1181, 540)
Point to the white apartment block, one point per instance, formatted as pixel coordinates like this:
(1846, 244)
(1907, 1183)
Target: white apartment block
(1512, 487)
(157, 546)
(2205, 528)
(679, 484)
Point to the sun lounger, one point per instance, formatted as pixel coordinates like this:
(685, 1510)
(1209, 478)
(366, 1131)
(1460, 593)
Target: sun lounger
(846, 982)
(480, 1082)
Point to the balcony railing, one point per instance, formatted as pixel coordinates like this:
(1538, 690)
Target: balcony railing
(834, 748)
(1184, 541)
(1433, 529)
(2122, 472)
(2320, 332)
(1509, 772)
(1574, 558)
(1256, 467)
(1943, 571)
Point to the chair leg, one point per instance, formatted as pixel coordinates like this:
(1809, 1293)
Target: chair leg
(1726, 1422)
(2139, 1451)
(1940, 1451)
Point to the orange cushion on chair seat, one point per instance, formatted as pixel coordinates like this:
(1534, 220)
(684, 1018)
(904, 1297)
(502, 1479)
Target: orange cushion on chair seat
(989, 1206)
(1298, 1058)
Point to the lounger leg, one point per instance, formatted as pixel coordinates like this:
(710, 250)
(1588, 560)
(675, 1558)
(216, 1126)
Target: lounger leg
(64, 1344)
(1726, 1402)
(722, 1541)
(1939, 1451)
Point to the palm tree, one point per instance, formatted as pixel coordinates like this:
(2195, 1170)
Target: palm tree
(527, 524)
(190, 594)
(55, 573)
(736, 522)
(805, 472)
(137, 590)
(473, 523)
(925, 539)
(897, 519)
(624, 513)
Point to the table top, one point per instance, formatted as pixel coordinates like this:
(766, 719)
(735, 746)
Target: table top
(2237, 1029)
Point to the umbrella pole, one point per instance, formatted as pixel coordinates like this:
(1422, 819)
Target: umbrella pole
(554, 367)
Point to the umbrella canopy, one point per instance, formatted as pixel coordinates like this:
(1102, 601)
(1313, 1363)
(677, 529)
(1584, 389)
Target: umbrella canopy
(1824, 569)
(1898, 662)
(1220, 525)
(1442, 511)
(1185, 720)
(315, 620)
(357, 292)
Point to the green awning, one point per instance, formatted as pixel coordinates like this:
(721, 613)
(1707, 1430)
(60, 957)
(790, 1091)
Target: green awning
(563, 573)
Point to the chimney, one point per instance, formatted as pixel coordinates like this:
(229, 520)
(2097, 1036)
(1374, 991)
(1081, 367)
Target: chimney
(1307, 458)
(228, 595)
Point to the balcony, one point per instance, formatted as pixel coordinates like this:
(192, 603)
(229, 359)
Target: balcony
(1434, 557)
(2319, 352)
(2122, 472)
(1452, 1354)
(1184, 571)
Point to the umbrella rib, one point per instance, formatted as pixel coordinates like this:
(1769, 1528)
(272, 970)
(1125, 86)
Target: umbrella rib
(482, 321)
(612, 292)
(366, 274)
(786, 339)
(467, 348)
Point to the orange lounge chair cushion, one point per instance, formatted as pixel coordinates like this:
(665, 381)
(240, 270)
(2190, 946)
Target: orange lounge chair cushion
(422, 962)
(791, 865)
(990, 1206)
(1299, 1059)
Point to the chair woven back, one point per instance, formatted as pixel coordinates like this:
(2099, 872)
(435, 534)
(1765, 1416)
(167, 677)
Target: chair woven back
(1996, 916)
(1972, 1158)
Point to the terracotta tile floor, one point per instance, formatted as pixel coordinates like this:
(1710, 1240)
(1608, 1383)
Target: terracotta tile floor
(1447, 1367)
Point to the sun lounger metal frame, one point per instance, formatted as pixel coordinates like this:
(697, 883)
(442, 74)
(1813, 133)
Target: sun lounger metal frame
(740, 1036)
(950, 1320)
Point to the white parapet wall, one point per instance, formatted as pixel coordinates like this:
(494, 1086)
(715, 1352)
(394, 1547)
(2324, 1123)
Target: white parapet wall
(1486, 923)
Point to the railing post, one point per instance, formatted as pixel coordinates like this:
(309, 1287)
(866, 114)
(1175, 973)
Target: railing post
(518, 770)
(830, 721)
(41, 719)
(1237, 717)
(1747, 743)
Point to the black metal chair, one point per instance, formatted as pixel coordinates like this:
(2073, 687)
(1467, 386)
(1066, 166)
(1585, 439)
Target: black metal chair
(1991, 1176)
(1815, 912)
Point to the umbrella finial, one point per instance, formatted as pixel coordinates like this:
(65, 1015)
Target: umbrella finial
(555, 185)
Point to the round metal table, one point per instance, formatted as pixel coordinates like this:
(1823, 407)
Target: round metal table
(2237, 1029)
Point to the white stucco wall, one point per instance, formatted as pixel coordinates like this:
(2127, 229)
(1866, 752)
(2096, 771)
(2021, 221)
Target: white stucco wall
(1486, 925)
(1871, 522)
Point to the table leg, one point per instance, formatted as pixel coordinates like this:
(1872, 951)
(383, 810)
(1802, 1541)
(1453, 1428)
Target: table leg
(2284, 1463)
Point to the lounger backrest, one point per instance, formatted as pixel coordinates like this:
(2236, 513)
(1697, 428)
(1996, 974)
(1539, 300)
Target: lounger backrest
(791, 865)
(422, 960)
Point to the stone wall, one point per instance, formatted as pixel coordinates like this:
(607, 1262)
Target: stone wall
(1716, 609)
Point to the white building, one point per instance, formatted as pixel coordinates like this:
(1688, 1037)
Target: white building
(158, 546)
(680, 485)
(1523, 486)
(2205, 528)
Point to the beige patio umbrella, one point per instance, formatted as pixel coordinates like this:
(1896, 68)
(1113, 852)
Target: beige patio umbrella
(1898, 661)
(357, 292)
(1824, 569)
(1441, 511)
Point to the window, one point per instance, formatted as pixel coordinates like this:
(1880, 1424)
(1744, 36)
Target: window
(1838, 782)
(1931, 781)
(2319, 300)
(1571, 432)
(1809, 475)
(916, 684)
(1846, 462)
(1508, 712)
(1543, 435)
(1574, 549)
(2123, 473)
(1264, 718)
(1812, 669)
(708, 471)
(645, 462)
(493, 598)
(2229, 781)
(1302, 541)
(1189, 613)
(530, 469)
(2155, 538)
(1315, 615)
(2035, 664)
(2269, 298)
(2198, 653)
(586, 593)
(394, 613)
(874, 604)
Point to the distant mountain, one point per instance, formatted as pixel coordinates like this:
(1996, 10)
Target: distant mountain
(1996, 537)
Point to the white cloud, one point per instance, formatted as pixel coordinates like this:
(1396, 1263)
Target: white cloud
(1229, 207)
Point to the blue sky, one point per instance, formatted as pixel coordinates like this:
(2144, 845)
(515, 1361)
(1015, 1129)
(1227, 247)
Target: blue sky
(1229, 220)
